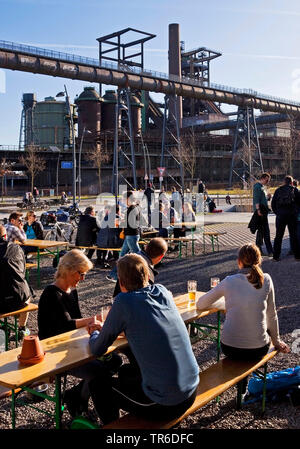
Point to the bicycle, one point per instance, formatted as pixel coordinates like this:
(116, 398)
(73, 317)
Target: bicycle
(63, 232)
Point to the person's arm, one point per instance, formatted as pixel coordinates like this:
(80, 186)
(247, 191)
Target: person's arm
(257, 192)
(272, 321)
(214, 298)
(20, 235)
(273, 202)
(113, 326)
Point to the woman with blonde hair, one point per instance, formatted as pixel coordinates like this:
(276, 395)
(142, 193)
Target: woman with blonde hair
(251, 317)
(59, 312)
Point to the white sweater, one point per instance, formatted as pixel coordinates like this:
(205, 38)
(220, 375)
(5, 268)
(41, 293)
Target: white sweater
(250, 312)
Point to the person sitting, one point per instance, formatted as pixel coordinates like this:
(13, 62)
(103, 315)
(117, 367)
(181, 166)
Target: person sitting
(251, 318)
(87, 230)
(33, 230)
(163, 381)
(212, 207)
(159, 220)
(59, 312)
(14, 228)
(15, 290)
(228, 199)
(64, 198)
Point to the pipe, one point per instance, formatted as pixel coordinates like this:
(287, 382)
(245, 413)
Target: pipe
(14, 60)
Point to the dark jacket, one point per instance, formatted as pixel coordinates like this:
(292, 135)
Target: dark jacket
(107, 236)
(38, 229)
(285, 200)
(132, 217)
(87, 231)
(12, 274)
(254, 223)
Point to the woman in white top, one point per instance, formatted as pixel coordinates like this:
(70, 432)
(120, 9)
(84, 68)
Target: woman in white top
(251, 317)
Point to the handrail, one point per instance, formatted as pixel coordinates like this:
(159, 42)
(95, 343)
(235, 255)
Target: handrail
(37, 51)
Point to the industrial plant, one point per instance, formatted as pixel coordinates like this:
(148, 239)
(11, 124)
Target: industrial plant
(117, 132)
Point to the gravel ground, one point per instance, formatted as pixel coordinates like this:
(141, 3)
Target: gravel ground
(96, 291)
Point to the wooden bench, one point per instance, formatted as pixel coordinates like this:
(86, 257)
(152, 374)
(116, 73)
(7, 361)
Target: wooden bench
(181, 241)
(6, 326)
(28, 267)
(214, 381)
(214, 237)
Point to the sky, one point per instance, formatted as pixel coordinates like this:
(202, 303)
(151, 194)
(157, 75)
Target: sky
(258, 40)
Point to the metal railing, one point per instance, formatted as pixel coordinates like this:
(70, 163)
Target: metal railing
(68, 57)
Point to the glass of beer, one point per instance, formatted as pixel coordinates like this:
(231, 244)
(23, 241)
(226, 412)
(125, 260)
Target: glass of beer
(214, 282)
(192, 288)
(104, 311)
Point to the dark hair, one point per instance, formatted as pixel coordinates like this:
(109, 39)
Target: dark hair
(288, 180)
(250, 257)
(133, 272)
(265, 175)
(88, 210)
(14, 216)
(156, 247)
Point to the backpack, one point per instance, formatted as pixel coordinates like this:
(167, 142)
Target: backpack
(285, 197)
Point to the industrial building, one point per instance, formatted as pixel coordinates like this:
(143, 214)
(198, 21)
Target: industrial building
(220, 148)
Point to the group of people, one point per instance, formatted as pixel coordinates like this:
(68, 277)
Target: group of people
(286, 206)
(157, 375)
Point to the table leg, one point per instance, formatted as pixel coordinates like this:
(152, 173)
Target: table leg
(16, 331)
(58, 401)
(179, 255)
(264, 388)
(13, 409)
(57, 255)
(6, 333)
(213, 243)
(38, 266)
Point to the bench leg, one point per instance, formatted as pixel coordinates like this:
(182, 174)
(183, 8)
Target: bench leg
(212, 243)
(58, 408)
(180, 248)
(264, 388)
(16, 331)
(6, 330)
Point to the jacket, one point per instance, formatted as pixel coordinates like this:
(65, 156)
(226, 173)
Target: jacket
(280, 208)
(87, 231)
(38, 229)
(12, 273)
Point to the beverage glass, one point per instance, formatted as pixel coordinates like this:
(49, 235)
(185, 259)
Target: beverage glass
(192, 288)
(104, 311)
(214, 282)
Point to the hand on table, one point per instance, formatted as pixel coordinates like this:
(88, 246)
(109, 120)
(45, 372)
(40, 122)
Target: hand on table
(94, 325)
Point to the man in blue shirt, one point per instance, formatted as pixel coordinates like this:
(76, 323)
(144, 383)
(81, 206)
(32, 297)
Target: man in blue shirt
(164, 381)
(260, 204)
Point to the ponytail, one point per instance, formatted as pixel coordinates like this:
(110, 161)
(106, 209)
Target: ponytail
(256, 276)
(250, 257)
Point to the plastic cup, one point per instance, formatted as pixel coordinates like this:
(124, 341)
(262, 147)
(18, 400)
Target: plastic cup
(192, 288)
(104, 311)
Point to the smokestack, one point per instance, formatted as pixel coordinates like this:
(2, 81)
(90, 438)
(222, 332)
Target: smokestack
(175, 69)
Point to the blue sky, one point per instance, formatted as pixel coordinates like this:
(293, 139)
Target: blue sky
(258, 39)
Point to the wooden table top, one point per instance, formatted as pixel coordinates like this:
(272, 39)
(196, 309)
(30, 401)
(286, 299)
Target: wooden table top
(71, 349)
(43, 244)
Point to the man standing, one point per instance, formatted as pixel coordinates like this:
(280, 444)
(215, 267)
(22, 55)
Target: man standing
(87, 230)
(149, 194)
(284, 205)
(201, 187)
(163, 383)
(131, 231)
(260, 203)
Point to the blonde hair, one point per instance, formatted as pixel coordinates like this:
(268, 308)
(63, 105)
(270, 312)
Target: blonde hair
(250, 256)
(133, 272)
(29, 214)
(71, 262)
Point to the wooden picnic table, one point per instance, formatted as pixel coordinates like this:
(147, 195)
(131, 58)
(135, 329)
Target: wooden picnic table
(44, 245)
(66, 351)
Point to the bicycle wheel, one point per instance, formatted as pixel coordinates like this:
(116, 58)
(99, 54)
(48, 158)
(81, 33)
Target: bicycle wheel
(50, 235)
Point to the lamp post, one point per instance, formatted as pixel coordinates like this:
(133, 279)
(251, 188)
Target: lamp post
(65, 94)
(79, 161)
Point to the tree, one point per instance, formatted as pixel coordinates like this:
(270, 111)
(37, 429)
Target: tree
(186, 153)
(33, 162)
(5, 167)
(288, 146)
(98, 154)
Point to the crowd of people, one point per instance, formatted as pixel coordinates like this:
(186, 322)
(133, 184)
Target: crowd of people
(144, 311)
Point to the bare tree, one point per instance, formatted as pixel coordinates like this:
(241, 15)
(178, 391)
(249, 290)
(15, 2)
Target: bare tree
(288, 147)
(5, 167)
(98, 154)
(33, 162)
(186, 153)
